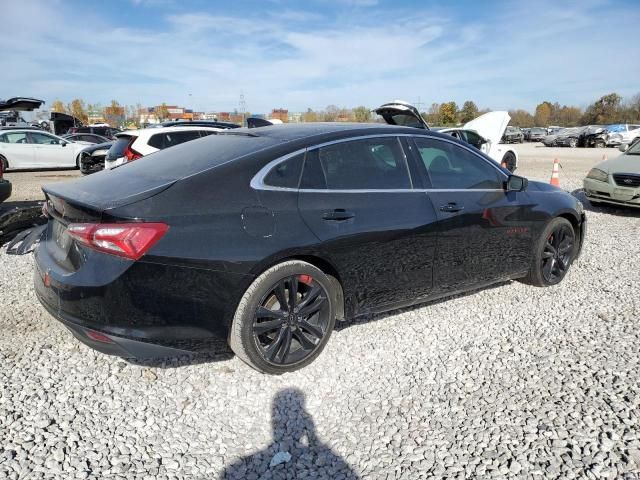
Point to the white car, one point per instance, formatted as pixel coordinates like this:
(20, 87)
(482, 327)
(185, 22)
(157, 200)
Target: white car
(484, 132)
(30, 148)
(134, 144)
(490, 128)
(622, 134)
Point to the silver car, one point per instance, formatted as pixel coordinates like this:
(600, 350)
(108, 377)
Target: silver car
(616, 181)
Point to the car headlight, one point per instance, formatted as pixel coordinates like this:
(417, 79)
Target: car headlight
(597, 174)
(99, 153)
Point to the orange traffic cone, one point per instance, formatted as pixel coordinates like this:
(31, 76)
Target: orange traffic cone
(604, 158)
(555, 173)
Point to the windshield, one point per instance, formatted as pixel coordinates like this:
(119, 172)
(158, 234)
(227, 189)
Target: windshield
(634, 149)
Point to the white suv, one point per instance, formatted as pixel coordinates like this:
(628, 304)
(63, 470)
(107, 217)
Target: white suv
(134, 144)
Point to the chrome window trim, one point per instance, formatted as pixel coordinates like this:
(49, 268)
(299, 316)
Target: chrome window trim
(257, 182)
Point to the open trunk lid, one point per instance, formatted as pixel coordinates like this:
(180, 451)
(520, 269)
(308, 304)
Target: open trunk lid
(20, 104)
(401, 113)
(491, 125)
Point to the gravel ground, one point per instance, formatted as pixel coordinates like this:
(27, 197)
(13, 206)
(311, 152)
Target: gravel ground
(507, 382)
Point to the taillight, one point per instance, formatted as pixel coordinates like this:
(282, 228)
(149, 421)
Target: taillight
(128, 240)
(129, 153)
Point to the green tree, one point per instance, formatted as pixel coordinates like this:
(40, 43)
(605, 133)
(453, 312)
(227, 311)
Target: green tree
(604, 110)
(114, 114)
(521, 118)
(469, 111)
(448, 113)
(362, 114)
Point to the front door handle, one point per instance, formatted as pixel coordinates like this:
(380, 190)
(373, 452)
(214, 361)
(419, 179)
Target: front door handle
(338, 215)
(451, 207)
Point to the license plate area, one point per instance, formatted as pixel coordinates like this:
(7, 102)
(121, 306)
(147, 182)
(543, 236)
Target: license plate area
(61, 236)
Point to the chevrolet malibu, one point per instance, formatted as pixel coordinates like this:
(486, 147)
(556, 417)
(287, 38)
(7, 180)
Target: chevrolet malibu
(261, 239)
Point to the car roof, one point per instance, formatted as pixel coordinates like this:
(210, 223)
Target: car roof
(154, 130)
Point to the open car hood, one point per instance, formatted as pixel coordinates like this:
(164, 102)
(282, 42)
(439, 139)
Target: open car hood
(491, 125)
(401, 113)
(21, 104)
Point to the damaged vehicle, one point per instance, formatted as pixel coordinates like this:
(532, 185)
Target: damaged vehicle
(622, 133)
(483, 132)
(262, 238)
(513, 135)
(92, 158)
(616, 181)
(594, 136)
(536, 134)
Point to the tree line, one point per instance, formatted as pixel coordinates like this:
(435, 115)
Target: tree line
(608, 109)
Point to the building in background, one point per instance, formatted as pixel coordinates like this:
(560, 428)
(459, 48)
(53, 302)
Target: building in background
(281, 114)
(295, 117)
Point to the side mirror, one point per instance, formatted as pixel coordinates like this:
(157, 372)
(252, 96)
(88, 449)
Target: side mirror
(516, 184)
(64, 144)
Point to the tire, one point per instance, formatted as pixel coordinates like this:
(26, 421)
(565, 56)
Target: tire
(547, 270)
(573, 142)
(4, 163)
(509, 160)
(262, 330)
(600, 144)
(78, 161)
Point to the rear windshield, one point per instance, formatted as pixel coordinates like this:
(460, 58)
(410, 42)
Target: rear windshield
(117, 149)
(193, 157)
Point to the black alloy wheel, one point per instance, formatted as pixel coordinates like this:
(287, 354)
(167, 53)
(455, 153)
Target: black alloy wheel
(285, 317)
(292, 320)
(553, 253)
(556, 256)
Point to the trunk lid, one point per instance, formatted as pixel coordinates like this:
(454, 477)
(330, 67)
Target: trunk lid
(401, 113)
(20, 104)
(490, 125)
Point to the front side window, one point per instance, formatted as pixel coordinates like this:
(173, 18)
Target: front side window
(18, 137)
(376, 163)
(43, 139)
(451, 166)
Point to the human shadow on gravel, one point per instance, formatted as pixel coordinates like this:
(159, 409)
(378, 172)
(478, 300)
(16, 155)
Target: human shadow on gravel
(618, 210)
(296, 451)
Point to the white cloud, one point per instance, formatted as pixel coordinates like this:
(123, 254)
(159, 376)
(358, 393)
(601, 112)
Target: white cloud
(299, 59)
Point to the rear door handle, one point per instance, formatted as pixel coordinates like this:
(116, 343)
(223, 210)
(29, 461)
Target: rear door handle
(451, 207)
(338, 215)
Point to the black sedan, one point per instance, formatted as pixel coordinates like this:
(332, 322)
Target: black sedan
(261, 238)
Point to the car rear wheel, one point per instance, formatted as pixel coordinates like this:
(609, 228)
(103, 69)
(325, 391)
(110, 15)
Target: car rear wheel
(285, 318)
(600, 144)
(553, 253)
(509, 160)
(573, 142)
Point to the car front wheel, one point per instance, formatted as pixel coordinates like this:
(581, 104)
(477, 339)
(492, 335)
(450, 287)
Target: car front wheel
(285, 318)
(553, 253)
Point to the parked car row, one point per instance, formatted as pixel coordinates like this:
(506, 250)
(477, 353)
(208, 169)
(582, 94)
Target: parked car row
(593, 136)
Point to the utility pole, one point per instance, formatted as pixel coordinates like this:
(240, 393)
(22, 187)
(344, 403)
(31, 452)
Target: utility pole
(243, 107)
(418, 104)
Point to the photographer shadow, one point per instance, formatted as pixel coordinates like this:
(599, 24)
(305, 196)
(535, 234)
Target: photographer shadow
(296, 451)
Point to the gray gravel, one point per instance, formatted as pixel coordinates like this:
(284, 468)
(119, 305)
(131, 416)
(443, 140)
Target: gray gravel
(507, 382)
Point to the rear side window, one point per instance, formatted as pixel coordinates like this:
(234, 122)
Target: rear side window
(20, 137)
(285, 174)
(451, 166)
(376, 163)
(169, 139)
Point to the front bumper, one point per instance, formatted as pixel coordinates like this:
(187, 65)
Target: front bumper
(607, 192)
(5, 190)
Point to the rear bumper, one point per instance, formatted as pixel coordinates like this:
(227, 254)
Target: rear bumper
(5, 190)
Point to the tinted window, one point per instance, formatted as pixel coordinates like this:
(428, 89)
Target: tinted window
(376, 163)
(285, 174)
(169, 139)
(473, 138)
(20, 137)
(42, 139)
(118, 147)
(453, 167)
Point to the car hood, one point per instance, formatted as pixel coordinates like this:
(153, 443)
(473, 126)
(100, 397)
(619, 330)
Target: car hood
(20, 103)
(491, 125)
(625, 163)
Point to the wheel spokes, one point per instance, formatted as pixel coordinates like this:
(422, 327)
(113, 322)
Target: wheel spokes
(312, 329)
(313, 307)
(286, 345)
(310, 296)
(303, 340)
(565, 246)
(273, 349)
(264, 312)
(293, 292)
(264, 327)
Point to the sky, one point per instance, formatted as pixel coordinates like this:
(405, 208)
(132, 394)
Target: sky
(204, 54)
